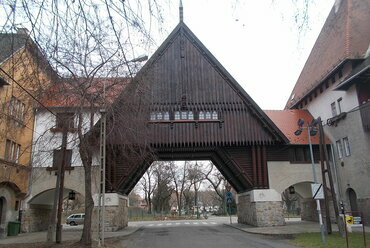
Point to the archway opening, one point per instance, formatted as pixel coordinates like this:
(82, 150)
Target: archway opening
(38, 215)
(352, 197)
(192, 189)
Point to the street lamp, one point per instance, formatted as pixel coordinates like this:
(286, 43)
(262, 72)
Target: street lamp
(312, 131)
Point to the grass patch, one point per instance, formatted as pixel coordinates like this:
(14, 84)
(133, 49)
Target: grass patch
(313, 240)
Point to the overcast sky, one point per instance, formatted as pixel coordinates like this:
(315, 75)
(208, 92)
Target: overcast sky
(257, 41)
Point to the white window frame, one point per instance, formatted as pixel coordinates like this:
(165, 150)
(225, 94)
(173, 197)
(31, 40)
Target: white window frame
(201, 115)
(339, 148)
(177, 115)
(333, 107)
(347, 149)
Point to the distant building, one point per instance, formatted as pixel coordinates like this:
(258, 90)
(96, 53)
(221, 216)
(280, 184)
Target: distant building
(335, 85)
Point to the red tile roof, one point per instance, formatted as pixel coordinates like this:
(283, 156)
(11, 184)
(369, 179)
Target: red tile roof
(345, 34)
(84, 92)
(286, 121)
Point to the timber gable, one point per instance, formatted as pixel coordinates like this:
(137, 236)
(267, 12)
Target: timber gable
(184, 78)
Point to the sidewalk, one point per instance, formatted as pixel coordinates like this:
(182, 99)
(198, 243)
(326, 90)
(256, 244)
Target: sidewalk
(35, 237)
(292, 227)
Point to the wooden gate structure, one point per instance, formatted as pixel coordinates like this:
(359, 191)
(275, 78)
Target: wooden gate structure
(184, 105)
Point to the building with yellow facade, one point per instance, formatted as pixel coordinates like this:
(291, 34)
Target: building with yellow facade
(24, 75)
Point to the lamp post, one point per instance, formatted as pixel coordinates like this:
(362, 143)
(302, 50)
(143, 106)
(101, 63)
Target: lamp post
(312, 130)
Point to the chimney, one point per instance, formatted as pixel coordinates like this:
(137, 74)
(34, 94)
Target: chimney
(22, 31)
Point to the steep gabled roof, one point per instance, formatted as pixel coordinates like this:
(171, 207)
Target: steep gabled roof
(182, 29)
(11, 43)
(82, 92)
(344, 36)
(287, 121)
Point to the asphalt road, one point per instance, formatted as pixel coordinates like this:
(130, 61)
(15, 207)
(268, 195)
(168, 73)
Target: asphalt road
(197, 234)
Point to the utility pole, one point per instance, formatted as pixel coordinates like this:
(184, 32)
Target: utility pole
(102, 177)
(311, 129)
(58, 236)
(325, 188)
(330, 176)
(58, 190)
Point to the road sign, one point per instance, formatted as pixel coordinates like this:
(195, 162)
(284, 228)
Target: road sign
(229, 200)
(317, 191)
(229, 194)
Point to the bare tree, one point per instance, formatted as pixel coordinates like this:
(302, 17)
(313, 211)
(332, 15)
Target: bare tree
(83, 41)
(148, 185)
(179, 176)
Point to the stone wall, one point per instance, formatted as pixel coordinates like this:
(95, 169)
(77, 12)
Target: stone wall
(260, 208)
(364, 206)
(36, 219)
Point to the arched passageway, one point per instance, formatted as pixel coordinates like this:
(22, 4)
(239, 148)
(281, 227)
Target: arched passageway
(38, 214)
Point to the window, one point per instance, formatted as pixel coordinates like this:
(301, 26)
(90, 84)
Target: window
(347, 150)
(177, 115)
(333, 109)
(191, 115)
(58, 156)
(208, 115)
(65, 120)
(339, 148)
(300, 154)
(184, 115)
(159, 116)
(16, 109)
(214, 115)
(166, 116)
(339, 101)
(12, 151)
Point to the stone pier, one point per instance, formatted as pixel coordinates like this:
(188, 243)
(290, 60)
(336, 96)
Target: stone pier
(260, 207)
(116, 212)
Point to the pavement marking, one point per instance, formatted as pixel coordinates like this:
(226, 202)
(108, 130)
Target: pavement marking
(187, 223)
(213, 223)
(151, 225)
(168, 224)
(159, 224)
(204, 223)
(177, 223)
(195, 223)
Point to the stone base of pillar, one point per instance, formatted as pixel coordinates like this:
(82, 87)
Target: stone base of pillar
(309, 210)
(36, 218)
(261, 207)
(116, 212)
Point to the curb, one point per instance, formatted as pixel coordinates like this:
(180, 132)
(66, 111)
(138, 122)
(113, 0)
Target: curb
(277, 235)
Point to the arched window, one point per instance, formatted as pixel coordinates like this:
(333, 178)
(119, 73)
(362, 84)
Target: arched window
(177, 115)
(214, 115)
(152, 116)
(208, 115)
(190, 115)
(201, 115)
(166, 116)
(184, 115)
(159, 116)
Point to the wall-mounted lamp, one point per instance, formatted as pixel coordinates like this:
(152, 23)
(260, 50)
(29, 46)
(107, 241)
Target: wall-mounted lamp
(72, 195)
(291, 190)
